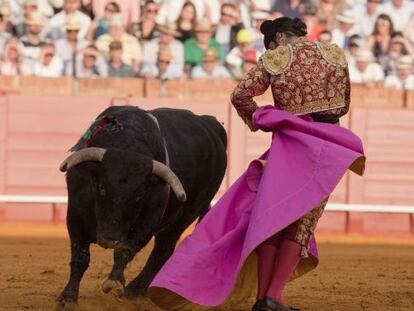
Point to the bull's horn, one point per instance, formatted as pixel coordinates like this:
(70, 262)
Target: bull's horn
(87, 154)
(165, 173)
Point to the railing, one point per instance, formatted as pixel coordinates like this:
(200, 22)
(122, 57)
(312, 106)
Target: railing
(331, 207)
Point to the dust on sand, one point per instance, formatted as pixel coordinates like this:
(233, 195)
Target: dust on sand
(354, 274)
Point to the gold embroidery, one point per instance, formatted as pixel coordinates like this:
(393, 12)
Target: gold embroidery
(278, 60)
(332, 53)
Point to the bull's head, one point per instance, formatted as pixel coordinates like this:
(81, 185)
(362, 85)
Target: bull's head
(120, 186)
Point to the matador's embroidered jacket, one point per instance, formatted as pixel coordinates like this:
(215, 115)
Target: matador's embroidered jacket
(305, 77)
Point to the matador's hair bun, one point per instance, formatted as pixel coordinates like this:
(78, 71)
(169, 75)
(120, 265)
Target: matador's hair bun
(282, 24)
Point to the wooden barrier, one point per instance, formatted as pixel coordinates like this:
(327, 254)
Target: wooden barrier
(29, 85)
(110, 87)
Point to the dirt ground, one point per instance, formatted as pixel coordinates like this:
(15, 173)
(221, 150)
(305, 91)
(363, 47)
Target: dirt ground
(355, 274)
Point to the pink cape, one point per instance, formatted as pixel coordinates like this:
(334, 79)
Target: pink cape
(305, 162)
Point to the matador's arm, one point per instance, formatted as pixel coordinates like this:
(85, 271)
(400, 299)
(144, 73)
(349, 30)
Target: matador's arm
(254, 83)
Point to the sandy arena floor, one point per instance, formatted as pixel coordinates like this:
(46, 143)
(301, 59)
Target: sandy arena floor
(357, 274)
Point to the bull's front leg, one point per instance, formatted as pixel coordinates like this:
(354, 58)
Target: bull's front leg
(80, 258)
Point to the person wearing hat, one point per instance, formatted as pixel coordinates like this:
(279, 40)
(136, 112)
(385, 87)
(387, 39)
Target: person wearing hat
(32, 41)
(116, 67)
(366, 71)
(399, 46)
(228, 27)
(404, 77)
(68, 47)
(258, 17)
(164, 68)
(29, 6)
(131, 49)
(194, 48)
(345, 29)
(210, 68)
(168, 33)
(55, 29)
(234, 59)
(88, 64)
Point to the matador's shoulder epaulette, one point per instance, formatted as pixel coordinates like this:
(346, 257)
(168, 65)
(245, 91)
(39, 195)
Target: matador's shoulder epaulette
(278, 60)
(332, 53)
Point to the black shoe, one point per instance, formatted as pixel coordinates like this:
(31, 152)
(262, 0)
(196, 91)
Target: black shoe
(256, 306)
(268, 304)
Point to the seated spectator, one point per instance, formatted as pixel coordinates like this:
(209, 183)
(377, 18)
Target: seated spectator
(228, 27)
(365, 16)
(89, 64)
(48, 64)
(258, 18)
(234, 60)
(166, 40)
(5, 26)
(31, 41)
(162, 69)
(249, 61)
(29, 7)
(146, 29)
(186, 21)
(210, 67)
(404, 77)
(131, 50)
(116, 67)
(194, 48)
(328, 10)
(325, 36)
(400, 12)
(342, 33)
(366, 71)
(290, 8)
(380, 40)
(355, 43)
(68, 47)
(409, 31)
(100, 25)
(130, 10)
(10, 63)
(399, 47)
(56, 26)
(312, 22)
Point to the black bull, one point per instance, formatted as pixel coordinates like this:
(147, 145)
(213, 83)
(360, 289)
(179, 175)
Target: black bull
(121, 194)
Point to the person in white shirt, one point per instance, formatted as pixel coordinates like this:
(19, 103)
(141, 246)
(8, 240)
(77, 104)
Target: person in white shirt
(210, 67)
(49, 64)
(166, 40)
(345, 30)
(400, 11)
(404, 78)
(31, 41)
(228, 27)
(366, 71)
(163, 69)
(365, 17)
(258, 18)
(234, 60)
(56, 27)
(89, 64)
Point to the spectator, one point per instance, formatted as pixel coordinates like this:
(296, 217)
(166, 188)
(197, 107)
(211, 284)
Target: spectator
(355, 43)
(366, 14)
(68, 47)
(234, 60)
(404, 77)
(366, 71)
(290, 8)
(409, 31)
(48, 64)
(131, 50)
(166, 40)
(325, 36)
(328, 10)
(258, 18)
(399, 47)
(146, 29)
(400, 12)
(29, 7)
(228, 27)
(312, 22)
(56, 27)
(186, 21)
(249, 60)
(344, 31)
(31, 41)
(163, 69)
(11, 59)
(89, 64)
(194, 48)
(100, 26)
(130, 10)
(5, 27)
(116, 67)
(379, 41)
(210, 68)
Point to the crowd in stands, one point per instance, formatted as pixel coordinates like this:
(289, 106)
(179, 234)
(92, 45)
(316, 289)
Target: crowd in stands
(182, 39)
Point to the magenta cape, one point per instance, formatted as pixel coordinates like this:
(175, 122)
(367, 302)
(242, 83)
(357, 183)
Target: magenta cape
(305, 162)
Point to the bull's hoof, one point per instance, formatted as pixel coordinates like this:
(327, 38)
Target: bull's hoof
(66, 305)
(115, 287)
